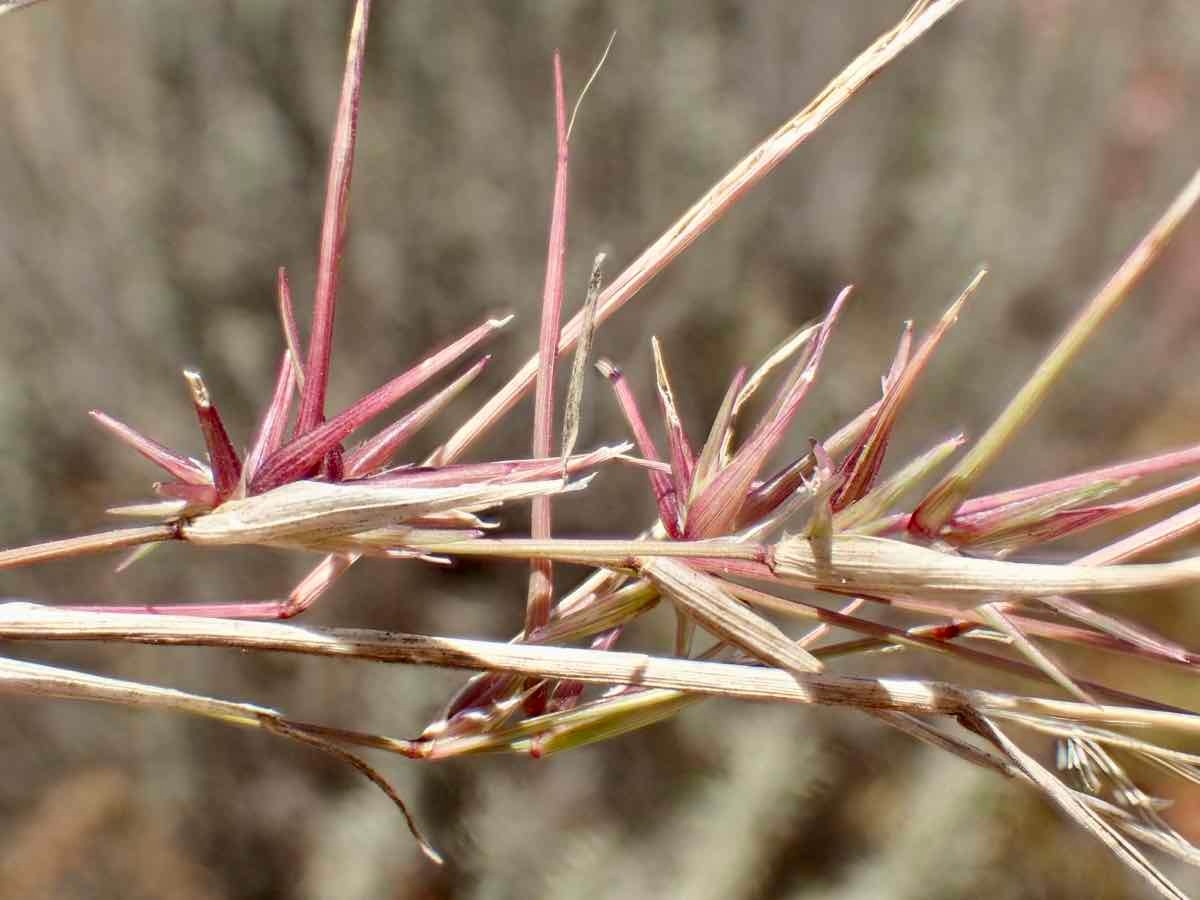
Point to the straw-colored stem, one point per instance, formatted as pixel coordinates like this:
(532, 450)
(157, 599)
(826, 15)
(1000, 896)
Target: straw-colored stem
(26, 621)
(117, 539)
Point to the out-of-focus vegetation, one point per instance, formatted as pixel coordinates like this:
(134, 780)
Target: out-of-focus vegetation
(159, 160)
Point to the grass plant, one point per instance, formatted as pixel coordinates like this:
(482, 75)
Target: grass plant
(736, 546)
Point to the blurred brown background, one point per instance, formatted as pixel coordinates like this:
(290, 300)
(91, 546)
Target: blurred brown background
(159, 160)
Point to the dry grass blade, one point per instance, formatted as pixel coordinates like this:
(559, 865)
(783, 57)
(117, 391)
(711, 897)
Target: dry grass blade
(1082, 812)
(613, 554)
(880, 636)
(23, 677)
(721, 614)
(28, 621)
(678, 683)
(304, 736)
(759, 163)
(952, 490)
(717, 511)
(51, 681)
(994, 616)
(25, 621)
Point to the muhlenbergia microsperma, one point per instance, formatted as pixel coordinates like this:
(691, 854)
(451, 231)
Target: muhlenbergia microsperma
(732, 537)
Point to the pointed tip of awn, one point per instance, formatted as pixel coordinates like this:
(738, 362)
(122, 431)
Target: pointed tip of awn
(198, 388)
(502, 321)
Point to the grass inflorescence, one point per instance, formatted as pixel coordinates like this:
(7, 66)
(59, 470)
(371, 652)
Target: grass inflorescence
(736, 546)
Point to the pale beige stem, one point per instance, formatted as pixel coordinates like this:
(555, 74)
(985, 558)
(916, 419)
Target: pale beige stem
(28, 621)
